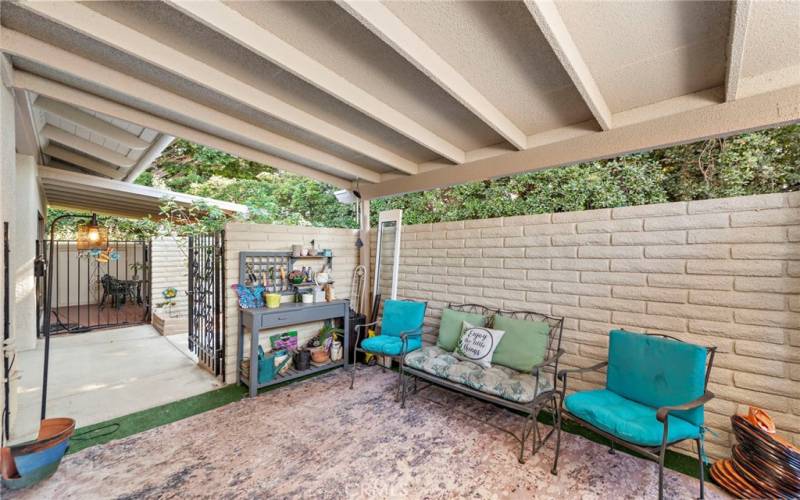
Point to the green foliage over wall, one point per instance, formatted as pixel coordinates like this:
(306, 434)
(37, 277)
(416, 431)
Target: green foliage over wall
(759, 162)
(767, 161)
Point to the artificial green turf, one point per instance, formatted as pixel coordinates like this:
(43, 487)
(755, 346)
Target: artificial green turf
(134, 423)
(673, 460)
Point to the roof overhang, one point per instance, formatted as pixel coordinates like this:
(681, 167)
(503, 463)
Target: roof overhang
(402, 96)
(72, 190)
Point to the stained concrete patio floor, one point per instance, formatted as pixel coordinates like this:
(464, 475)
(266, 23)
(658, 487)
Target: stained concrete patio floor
(319, 439)
(104, 374)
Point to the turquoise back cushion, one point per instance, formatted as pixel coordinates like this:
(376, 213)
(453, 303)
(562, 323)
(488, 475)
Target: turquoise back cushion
(401, 316)
(655, 371)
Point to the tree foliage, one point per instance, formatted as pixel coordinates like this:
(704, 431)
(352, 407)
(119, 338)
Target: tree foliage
(766, 161)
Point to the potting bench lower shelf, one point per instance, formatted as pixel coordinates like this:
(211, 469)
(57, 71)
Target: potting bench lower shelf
(291, 374)
(262, 318)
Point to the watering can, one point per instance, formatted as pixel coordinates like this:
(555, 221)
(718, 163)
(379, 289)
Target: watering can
(266, 364)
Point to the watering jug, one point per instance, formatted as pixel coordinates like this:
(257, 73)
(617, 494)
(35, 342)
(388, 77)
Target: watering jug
(266, 364)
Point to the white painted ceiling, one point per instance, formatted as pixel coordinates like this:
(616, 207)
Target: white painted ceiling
(464, 81)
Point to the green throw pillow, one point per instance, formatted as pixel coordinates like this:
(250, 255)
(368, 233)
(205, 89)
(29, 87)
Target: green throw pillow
(523, 345)
(450, 327)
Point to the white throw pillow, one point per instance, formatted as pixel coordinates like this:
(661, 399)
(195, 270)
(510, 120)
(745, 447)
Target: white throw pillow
(477, 344)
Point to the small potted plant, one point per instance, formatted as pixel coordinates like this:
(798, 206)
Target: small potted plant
(323, 345)
(135, 268)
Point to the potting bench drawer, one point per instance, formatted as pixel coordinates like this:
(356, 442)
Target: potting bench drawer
(300, 315)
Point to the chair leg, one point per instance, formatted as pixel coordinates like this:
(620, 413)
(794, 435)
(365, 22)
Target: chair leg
(661, 473)
(403, 392)
(399, 383)
(701, 466)
(611, 449)
(557, 405)
(353, 370)
(523, 439)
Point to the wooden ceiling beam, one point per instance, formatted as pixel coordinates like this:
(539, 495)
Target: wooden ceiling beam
(381, 21)
(547, 17)
(88, 22)
(90, 122)
(740, 20)
(60, 91)
(161, 143)
(228, 22)
(65, 138)
(83, 162)
(771, 109)
(78, 67)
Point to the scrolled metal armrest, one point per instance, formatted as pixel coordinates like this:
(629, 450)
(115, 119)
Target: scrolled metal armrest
(563, 373)
(664, 411)
(552, 359)
(360, 328)
(416, 332)
(366, 325)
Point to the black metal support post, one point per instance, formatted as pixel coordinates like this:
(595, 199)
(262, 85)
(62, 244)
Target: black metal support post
(48, 306)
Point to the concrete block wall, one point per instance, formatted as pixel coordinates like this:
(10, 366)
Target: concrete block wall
(722, 272)
(266, 237)
(170, 268)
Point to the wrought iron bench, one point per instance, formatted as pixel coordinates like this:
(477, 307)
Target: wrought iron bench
(527, 392)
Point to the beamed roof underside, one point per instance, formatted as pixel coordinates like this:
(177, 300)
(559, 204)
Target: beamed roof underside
(396, 96)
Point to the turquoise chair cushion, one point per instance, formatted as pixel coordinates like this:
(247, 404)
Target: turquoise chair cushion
(390, 345)
(626, 419)
(655, 371)
(401, 316)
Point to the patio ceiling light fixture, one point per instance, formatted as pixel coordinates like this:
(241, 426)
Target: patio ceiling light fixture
(90, 236)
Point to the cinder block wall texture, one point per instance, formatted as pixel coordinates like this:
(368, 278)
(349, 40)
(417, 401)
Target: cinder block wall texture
(265, 237)
(722, 272)
(170, 268)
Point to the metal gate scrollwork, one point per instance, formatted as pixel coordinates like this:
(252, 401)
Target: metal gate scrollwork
(206, 300)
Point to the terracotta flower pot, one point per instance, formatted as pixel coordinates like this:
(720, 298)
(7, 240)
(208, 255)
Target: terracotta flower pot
(319, 355)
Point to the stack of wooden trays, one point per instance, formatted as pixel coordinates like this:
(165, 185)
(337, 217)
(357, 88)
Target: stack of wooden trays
(762, 464)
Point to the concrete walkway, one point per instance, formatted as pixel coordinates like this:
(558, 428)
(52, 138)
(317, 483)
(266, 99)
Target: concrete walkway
(105, 374)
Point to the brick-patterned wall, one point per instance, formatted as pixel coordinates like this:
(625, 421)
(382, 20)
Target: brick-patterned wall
(170, 268)
(266, 237)
(722, 272)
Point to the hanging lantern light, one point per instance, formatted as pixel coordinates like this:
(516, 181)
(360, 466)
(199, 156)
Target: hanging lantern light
(92, 235)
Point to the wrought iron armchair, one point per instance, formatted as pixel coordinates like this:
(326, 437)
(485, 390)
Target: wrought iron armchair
(401, 332)
(546, 368)
(681, 371)
(113, 288)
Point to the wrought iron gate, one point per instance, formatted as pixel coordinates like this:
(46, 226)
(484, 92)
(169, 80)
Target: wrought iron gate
(98, 289)
(206, 300)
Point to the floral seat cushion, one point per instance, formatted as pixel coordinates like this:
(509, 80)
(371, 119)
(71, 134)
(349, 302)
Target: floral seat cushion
(496, 381)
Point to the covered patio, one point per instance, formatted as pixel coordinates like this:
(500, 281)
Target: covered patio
(384, 98)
